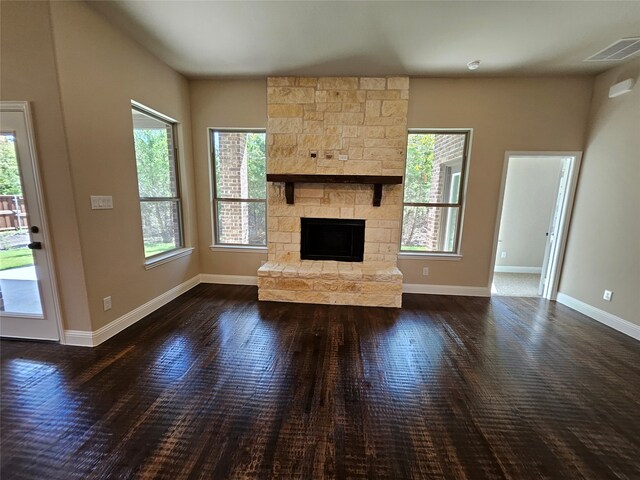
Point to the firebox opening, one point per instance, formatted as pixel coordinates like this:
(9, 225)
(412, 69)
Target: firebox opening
(332, 239)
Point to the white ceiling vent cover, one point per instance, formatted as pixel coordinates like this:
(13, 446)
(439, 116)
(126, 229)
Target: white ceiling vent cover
(623, 48)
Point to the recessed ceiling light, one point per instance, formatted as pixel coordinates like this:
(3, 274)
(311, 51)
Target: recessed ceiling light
(473, 65)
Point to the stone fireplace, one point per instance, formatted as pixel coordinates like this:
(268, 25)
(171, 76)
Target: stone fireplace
(344, 128)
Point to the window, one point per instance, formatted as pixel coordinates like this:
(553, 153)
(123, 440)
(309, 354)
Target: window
(433, 191)
(240, 187)
(158, 187)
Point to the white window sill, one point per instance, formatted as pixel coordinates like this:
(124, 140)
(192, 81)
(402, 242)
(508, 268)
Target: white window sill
(238, 248)
(167, 257)
(429, 256)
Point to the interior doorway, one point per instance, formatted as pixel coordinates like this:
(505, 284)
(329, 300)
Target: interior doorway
(28, 301)
(533, 218)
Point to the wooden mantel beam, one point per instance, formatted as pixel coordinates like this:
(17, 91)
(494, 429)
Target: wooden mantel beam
(376, 180)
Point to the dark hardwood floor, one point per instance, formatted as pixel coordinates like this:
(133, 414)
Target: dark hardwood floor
(216, 385)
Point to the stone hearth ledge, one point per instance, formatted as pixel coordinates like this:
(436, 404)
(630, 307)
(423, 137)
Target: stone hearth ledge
(377, 284)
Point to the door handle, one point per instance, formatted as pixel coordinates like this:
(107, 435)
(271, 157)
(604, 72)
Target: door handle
(35, 245)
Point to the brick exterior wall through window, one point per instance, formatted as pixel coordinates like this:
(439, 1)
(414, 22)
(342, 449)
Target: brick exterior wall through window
(231, 176)
(448, 150)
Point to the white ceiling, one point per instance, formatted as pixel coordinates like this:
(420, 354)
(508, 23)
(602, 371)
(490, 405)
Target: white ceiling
(422, 38)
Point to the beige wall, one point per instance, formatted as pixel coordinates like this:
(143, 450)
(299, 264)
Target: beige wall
(526, 114)
(506, 114)
(100, 71)
(603, 250)
(84, 99)
(29, 73)
(529, 197)
(223, 104)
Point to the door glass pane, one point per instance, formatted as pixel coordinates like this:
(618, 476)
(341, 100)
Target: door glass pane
(160, 226)
(454, 189)
(18, 282)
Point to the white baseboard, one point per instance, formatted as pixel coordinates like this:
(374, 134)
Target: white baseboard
(507, 269)
(406, 288)
(93, 339)
(610, 320)
(229, 279)
(446, 290)
(78, 338)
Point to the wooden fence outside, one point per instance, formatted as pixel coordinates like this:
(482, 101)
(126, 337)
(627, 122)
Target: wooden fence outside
(13, 213)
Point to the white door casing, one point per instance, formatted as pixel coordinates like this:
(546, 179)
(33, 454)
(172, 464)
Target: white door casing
(564, 205)
(15, 118)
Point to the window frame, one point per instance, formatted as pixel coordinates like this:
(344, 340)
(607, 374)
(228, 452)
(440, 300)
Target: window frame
(215, 244)
(460, 204)
(180, 249)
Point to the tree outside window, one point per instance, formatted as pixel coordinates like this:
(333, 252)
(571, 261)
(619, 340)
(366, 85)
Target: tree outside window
(433, 200)
(158, 187)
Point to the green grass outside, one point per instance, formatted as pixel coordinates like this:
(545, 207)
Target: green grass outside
(413, 248)
(22, 257)
(15, 257)
(156, 248)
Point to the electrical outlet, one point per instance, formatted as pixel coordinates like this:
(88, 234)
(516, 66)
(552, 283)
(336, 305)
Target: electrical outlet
(503, 255)
(607, 295)
(344, 158)
(106, 303)
(314, 154)
(425, 271)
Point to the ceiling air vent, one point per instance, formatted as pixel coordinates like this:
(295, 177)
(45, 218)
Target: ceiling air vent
(623, 48)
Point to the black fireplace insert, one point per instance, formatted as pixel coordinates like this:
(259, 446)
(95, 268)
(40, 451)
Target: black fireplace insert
(332, 239)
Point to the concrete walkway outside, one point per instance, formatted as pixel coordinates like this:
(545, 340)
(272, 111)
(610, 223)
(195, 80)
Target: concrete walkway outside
(19, 288)
(22, 273)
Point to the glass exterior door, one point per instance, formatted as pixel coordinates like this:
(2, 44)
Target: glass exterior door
(18, 282)
(27, 303)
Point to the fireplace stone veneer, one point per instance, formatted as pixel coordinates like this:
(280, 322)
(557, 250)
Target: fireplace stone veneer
(313, 125)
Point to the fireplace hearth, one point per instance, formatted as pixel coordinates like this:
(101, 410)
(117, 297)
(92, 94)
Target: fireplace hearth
(332, 239)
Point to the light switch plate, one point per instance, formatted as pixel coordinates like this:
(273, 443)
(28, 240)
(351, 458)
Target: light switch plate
(607, 295)
(101, 202)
